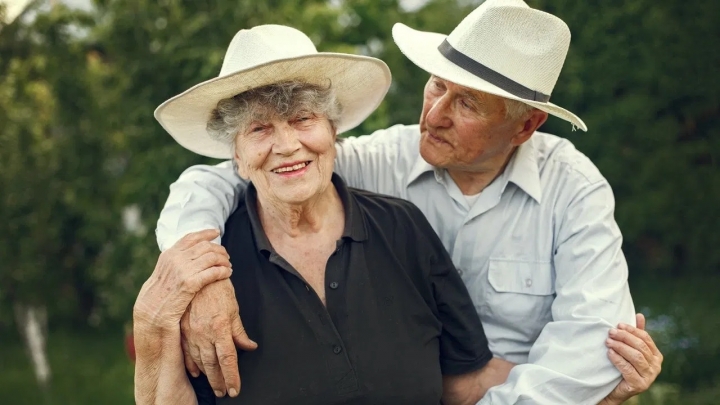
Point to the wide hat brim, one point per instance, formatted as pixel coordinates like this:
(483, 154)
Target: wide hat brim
(421, 48)
(360, 84)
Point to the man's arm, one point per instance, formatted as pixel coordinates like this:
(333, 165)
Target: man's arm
(568, 363)
(203, 197)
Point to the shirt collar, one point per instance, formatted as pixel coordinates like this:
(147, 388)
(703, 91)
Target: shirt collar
(522, 170)
(355, 228)
(420, 167)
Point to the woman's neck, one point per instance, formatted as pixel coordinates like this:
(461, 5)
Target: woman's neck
(294, 220)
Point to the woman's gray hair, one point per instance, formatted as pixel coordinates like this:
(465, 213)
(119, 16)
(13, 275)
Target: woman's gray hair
(279, 100)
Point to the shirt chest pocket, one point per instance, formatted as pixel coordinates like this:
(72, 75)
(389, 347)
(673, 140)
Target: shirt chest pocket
(520, 295)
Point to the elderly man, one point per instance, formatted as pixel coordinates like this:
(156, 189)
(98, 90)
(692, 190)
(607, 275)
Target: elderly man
(527, 218)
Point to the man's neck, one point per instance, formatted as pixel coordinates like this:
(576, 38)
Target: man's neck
(474, 182)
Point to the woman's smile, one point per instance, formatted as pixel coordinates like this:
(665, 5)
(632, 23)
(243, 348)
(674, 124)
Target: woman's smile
(292, 170)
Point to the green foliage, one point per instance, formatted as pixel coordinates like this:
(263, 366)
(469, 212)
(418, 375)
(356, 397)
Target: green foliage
(80, 149)
(88, 369)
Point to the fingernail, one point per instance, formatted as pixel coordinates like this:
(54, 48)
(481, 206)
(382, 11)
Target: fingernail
(218, 393)
(232, 392)
(608, 342)
(613, 331)
(622, 326)
(195, 374)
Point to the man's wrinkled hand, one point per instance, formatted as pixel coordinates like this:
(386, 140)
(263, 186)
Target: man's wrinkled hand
(635, 354)
(211, 327)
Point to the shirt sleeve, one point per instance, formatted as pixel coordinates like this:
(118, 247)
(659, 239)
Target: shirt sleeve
(379, 162)
(568, 362)
(203, 197)
(463, 344)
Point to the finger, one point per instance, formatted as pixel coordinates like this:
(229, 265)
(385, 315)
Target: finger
(203, 247)
(642, 334)
(629, 338)
(194, 352)
(190, 364)
(633, 356)
(211, 259)
(196, 282)
(193, 238)
(640, 321)
(212, 370)
(228, 360)
(240, 336)
(629, 373)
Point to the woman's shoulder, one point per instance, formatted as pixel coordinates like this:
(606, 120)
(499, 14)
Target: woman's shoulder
(391, 213)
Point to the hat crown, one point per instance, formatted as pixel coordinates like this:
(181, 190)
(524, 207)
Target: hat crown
(264, 44)
(523, 44)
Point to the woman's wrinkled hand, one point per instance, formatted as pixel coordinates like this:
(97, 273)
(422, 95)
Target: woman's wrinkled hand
(634, 353)
(181, 271)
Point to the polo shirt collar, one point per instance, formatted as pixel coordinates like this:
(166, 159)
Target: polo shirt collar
(355, 228)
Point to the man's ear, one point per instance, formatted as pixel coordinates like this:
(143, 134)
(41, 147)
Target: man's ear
(528, 127)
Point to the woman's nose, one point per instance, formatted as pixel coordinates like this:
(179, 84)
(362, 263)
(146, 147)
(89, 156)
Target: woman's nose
(287, 140)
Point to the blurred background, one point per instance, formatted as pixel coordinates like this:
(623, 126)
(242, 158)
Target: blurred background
(85, 168)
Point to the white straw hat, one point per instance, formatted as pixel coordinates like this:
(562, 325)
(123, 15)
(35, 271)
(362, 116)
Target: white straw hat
(503, 47)
(268, 54)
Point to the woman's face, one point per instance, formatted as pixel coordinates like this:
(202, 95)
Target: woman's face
(288, 160)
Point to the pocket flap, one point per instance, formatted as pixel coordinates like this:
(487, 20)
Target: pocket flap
(522, 277)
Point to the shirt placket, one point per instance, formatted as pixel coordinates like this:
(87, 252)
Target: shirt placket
(338, 363)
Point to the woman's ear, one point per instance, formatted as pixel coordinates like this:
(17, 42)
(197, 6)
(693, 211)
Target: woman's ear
(239, 167)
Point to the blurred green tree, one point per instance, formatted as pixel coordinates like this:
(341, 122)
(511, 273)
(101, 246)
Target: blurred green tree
(85, 167)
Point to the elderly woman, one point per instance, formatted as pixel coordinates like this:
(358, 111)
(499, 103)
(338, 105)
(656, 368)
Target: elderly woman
(350, 295)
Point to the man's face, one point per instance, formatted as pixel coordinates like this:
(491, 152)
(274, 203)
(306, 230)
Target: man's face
(464, 129)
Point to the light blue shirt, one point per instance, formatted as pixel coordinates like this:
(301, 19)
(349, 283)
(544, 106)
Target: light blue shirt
(539, 251)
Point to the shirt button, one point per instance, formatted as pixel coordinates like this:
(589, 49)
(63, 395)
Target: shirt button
(337, 349)
(460, 272)
(334, 285)
(528, 282)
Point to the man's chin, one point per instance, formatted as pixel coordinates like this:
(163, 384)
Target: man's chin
(430, 154)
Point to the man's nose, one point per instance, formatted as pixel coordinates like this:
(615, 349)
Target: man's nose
(287, 140)
(438, 116)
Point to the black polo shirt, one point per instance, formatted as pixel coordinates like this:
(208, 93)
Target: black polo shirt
(398, 315)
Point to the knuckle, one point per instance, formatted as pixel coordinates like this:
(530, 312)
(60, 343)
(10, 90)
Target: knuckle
(629, 389)
(211, 364)
(637, 358)
(227, 359)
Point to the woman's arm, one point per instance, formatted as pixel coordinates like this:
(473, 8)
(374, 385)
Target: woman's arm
(180, 273)
(159, 369)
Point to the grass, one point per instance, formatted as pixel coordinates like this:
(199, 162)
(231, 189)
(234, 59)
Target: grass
(87, 368)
